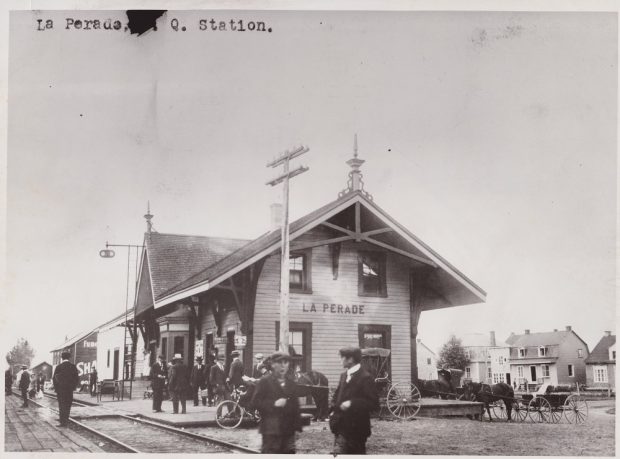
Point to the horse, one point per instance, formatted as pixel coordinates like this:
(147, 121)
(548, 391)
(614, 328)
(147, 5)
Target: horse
(486, 393)
(319, 390)
(441, 387)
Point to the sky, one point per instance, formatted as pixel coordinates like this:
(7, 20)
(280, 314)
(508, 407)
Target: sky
(490, 136)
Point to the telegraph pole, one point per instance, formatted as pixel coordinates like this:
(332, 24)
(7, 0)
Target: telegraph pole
(284, 159)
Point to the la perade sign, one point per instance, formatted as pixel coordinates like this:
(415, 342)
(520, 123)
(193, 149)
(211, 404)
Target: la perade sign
(333, 308)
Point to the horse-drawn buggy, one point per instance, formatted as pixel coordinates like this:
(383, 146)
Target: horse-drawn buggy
(401, 399)
(548, 404)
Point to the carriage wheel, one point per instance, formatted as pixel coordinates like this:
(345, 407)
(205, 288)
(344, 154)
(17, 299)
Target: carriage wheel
(403, 400)
(539, 410)
(499, 410)
(519, 411)
(576, 409)
(228, 414)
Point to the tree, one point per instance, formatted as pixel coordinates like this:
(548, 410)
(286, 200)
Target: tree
(452, 354)
(21, 354)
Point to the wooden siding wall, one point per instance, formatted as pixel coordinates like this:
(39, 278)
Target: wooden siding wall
(230, 320)
(567, 354)
(331, 331)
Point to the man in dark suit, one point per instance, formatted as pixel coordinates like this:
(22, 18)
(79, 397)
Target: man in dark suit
(277, 398)
(235, 375)
(258, 369)
(66, 379)
(8, 381)
(197, 380)
(353, 401)
(217, 378)
(40, 381)
(24, 382)
(178, 384)
(159, 373)
(92, 381)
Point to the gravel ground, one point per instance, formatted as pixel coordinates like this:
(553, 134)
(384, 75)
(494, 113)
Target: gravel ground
(450, 436)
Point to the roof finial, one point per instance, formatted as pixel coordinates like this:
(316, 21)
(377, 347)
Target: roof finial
(148, 217)
(355, 182)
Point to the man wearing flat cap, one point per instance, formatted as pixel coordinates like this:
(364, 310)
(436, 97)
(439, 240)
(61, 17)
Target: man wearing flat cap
(24, 382)
(353, 401)
(277, 398)
(258, 369)
(235, 374)
(197, 381)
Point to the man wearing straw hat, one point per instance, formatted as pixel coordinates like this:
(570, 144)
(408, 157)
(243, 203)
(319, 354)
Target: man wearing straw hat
(179, 383)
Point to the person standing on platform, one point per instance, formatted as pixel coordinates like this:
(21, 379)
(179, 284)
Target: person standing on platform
(217, 378)
(353, 401)
(40, 382)
(92, 381)
(8, 381)
(179, 383)
(258, 369)
(277, 399)
(66, 379)
(24, 383)
(197, 381)
(210, 356)
(235, 375)
(159, 373)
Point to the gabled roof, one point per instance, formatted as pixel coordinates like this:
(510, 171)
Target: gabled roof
(480, 340)
(462, 290)
(538, 339)
(600, 353)
(73, 340)
(118, 320)
(173, 258)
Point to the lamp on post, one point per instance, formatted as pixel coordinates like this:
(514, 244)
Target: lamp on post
(109, 253)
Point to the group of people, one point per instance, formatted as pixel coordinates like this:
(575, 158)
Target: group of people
(275, 396)
(28, 383)
(208, 383)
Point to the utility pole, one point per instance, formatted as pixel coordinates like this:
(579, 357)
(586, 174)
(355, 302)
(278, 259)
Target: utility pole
(284, 159)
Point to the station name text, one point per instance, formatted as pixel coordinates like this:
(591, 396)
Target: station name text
(332, 308)
(205, 25)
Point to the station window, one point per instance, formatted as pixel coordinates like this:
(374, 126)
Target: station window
(108, 358)
(299, 272)
(164, 348)
(571, 371)
(371, 274)
(179, 344)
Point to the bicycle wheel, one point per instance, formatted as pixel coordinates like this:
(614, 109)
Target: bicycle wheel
(228, 414)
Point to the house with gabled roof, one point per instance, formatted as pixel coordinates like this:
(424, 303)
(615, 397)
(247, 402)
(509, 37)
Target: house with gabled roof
(601, 364)
(556, 357)
(488, 358)
(427, 361)
(357, 277)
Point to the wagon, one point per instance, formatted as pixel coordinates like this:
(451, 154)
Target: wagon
(401, 399)
(550, 403)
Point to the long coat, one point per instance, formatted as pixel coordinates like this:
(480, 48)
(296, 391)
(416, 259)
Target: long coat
(275, 420)
(236, 372)
(217, 377)
(179, 378)
(361, 391)
(198, 376)
(66, 377)
(24, 380)
(159, 373)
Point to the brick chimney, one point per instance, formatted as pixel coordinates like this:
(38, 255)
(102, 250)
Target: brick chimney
(276, 216)
(527, 331)
(569, 328)
(607, 333)
(492, 340)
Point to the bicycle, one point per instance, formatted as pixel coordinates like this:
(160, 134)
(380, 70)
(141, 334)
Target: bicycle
(229, 414)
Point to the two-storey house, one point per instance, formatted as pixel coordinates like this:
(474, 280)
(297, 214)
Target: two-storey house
(556, 357)
(601, 364)
(427, 362)
(488, 358)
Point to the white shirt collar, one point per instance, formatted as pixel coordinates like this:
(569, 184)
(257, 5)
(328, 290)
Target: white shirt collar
(352, 370)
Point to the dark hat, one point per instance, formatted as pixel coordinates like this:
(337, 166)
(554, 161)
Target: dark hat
(235, 353)
(24, 366)
(65, 355)
(351, 351)
(199, 358)
(278, 356)
(160, 357)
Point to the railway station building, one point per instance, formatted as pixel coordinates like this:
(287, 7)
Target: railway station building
(357, 277)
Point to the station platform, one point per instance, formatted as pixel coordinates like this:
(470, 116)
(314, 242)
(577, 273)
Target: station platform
(33, 429)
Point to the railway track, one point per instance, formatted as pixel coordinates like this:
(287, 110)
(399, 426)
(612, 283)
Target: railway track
(136, 435)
